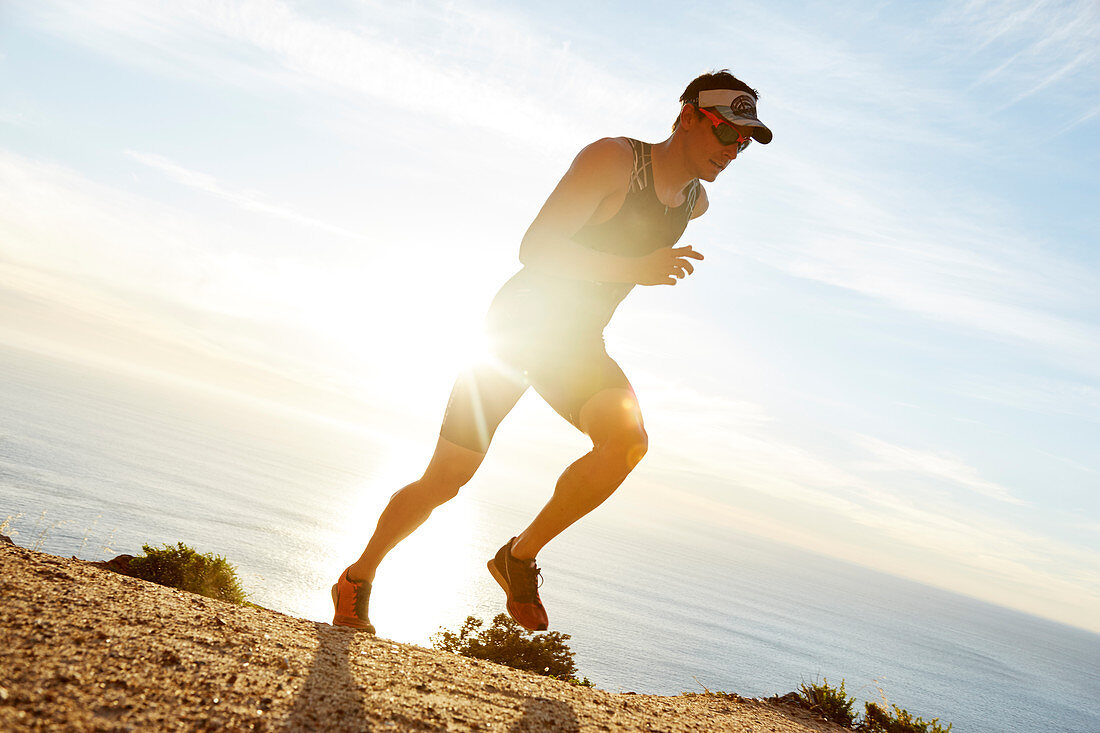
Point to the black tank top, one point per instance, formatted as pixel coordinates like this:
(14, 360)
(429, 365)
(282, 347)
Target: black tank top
(535, 301)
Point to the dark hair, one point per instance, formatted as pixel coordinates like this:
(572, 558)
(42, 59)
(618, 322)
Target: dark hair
(721, 79)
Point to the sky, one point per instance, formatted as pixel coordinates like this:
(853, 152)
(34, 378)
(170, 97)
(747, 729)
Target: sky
(891, 354)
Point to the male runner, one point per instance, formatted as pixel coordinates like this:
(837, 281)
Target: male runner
(610, 224)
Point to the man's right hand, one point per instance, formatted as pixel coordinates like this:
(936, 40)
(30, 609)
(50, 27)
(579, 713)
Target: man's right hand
(666, 265)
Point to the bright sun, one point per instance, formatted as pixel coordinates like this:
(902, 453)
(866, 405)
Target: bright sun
(403, 336)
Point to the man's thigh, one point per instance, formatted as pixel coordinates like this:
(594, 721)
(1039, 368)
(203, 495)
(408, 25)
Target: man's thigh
(480, 399)
(579, 380)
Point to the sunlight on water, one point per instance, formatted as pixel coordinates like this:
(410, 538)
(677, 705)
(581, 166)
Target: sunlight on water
(427, 577)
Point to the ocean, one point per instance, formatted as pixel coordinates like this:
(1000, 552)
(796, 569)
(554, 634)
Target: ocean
(94, 465)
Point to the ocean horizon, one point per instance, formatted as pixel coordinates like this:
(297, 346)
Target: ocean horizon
(94, 465)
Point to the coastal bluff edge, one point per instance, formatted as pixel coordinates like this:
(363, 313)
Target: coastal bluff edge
(82, 648)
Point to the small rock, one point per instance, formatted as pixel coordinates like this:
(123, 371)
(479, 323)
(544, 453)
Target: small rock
(120, 564)
(791, 698)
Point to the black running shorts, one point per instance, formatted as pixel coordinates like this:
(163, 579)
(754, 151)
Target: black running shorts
(565, 369)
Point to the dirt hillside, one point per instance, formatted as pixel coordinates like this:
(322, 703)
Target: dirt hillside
(82, 648)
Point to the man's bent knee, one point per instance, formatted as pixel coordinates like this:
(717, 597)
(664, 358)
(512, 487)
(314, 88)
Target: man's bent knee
(625, 448)
(637, 446)
(637, 450)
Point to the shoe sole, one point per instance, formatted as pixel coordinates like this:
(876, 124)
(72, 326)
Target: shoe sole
(498, 576)
(346, 621)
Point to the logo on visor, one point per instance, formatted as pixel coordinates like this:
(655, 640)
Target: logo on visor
(744, 105)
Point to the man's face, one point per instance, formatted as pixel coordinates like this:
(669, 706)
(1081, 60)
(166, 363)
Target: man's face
(711, 156)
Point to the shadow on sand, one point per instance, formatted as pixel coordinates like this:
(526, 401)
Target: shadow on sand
(331, 699)
(543, 714)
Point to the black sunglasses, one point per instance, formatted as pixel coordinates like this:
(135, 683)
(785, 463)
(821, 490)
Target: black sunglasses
(726, 133)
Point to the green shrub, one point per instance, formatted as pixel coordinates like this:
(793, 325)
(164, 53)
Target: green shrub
(181, 567)
(506, 642)
(877, 720)
(831, 703)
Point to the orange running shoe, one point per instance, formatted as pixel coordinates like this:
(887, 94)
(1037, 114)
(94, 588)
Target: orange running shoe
(350, 599)
(520, 581)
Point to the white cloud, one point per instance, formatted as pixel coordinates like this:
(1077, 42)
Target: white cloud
(963, 266)
(889, 458)
(465, 67)
(1049, 44)
(964, 272)
(15, 119)
(56, 219)
(1038, 394)
(247, 201)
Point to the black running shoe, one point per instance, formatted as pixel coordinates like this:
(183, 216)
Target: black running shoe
(520, 581)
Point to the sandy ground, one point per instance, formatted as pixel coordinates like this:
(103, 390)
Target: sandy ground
(82, 648)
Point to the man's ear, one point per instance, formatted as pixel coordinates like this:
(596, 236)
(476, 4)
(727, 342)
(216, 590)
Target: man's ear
(688, 115)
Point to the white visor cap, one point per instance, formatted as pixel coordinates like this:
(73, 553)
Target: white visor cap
(739, 108)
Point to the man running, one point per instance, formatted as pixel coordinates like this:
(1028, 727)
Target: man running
(610, 224)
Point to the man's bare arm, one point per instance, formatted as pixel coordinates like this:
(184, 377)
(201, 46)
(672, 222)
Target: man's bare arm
(600, 171)
(702, 203)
